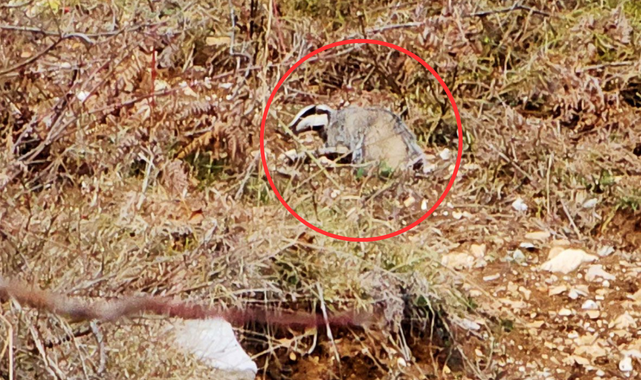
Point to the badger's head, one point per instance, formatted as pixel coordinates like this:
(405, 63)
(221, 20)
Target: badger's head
(312, 118)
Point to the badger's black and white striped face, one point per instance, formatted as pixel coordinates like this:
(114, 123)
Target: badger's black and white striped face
(312, 118)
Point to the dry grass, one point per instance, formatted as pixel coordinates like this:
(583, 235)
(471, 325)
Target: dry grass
(126, 172)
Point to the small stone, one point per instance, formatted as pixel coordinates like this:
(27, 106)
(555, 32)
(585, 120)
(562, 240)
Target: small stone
(625, 365)
(604, 251)
(596, 271)
(409, 201)
(589, 305)
(623, 322)
(526, 245)
(593, 314)
(577, 292)
(557, 290)
(567, 261)
(565, 312)
(519, 205)
(492, 277)
(478, 250)
(518, 256)
(458, 260)
(445, 154)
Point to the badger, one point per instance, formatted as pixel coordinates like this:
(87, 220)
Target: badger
(369, 135)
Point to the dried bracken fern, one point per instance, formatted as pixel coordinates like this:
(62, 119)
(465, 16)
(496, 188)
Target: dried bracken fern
(223, 140)
(175, 179)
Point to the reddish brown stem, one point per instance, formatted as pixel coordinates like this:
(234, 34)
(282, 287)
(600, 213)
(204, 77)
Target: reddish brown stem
(108, 311)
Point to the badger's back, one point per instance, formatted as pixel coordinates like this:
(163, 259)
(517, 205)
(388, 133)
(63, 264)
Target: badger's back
(373, 134)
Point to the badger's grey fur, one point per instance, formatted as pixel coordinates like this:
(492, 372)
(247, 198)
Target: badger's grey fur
(369, 134)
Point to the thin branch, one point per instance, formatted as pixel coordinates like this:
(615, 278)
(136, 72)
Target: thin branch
(85, 36)
(516, 7)
(30, 60)
(109, 311)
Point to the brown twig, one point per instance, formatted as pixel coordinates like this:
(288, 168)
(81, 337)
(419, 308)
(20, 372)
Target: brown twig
(109, 311)
(516, 7)
(29, 61)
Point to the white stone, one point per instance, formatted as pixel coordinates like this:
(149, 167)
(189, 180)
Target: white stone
(567, 261)
(590, 203)
(596, 271)
(625, 365)
(606, 250)
(519, 205)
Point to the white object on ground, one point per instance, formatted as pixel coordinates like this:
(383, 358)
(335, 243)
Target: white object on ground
(213, 342)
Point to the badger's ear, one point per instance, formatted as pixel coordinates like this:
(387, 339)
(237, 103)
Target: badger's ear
(311, 118)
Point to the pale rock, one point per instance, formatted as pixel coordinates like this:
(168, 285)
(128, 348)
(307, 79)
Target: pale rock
(590, 203)
(557, 290)
(625, 365)
(596, 271)
(593, 314)
(526, 292)
(445, 154)
(535, 324)
(478, 250)
(593, 348)
(572, 359)
(519, 205)
(589, 305)
(83, 95)
(526, 245)
(518, 256)
(409, 201)
(492, 277)
(624, 322)
(565, 312)
(578, 291)
(458, 260)
(604, 251)
(466, 324)
(567, 261)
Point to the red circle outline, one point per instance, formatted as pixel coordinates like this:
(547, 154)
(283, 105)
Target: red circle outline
(458, 157)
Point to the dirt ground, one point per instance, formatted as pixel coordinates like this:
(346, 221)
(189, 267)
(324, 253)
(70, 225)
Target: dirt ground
(130, 165)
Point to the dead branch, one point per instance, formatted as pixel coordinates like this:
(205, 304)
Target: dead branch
(112, 310)
(516, 7)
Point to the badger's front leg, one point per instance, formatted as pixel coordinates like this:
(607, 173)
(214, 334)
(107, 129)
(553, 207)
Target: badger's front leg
(337, 152)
